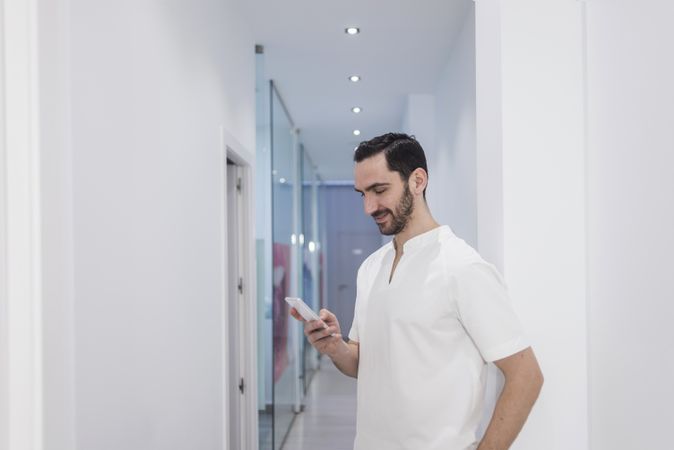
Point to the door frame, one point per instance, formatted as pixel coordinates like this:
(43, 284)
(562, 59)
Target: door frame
(234, 306)
(21, 336)
(231, 149)
(20, 218)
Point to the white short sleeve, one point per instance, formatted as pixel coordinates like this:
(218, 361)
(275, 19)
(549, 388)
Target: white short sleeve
(363, 284)
(353, 333)
(486, 312)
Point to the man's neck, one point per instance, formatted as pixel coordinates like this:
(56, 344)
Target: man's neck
(416, 226)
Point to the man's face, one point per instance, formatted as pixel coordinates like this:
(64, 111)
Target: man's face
(385, 196)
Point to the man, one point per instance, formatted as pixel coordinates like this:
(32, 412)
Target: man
(430, 313)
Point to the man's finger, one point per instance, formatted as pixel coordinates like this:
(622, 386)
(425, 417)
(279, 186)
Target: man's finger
(296, 314)
(322, 334)
(314, 325)
(326, 315)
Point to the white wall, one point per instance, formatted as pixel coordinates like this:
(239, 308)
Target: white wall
(419, 121)
(631, 218)
(488, 139)
(533, 69)
(4, 335)
(454, 157)
(587, 210)
(444, 124)
(151, 84)
(4, 341)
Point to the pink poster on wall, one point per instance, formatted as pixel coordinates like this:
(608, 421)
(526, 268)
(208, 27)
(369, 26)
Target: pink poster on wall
(280, 307)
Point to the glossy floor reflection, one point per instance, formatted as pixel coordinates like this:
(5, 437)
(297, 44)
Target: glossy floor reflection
(329, 419)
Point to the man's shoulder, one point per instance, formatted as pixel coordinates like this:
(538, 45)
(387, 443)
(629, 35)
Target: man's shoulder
(458, 254)
(463, 261)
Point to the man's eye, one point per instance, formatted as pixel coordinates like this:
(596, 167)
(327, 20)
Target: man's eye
(380, 191)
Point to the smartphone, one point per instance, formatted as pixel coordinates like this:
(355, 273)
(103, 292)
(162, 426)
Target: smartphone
(307, 313)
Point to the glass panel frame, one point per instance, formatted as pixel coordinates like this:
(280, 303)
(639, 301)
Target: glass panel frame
(284, 248)
(310, 273)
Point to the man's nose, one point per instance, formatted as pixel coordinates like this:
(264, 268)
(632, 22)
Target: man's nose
(369, 204)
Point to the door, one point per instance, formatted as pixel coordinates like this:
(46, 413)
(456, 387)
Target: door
(235, 309)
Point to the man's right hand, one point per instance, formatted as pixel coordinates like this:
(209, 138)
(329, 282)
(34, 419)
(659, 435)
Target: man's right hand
(325, 334)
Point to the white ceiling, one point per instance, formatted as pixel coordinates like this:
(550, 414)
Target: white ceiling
(401, 49)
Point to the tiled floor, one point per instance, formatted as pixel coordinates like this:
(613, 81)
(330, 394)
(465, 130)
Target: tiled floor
(329, 418)
(265, 429)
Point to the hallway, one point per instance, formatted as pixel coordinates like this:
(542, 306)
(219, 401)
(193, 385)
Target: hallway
(171, 171)
(329, 419)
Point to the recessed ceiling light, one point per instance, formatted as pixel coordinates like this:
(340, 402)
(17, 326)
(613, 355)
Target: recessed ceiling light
(352, 30)
(282, 180)
(356, 132)
(356, 109)
(354, 78)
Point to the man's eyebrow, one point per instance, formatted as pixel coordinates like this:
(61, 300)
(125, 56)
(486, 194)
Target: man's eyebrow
(373, 186)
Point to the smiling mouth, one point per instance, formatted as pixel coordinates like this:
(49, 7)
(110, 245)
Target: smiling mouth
(380, 217)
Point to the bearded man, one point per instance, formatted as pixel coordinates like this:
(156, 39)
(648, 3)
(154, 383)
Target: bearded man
(430, 314)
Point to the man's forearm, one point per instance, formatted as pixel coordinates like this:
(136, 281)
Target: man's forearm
(346, 359)
(512, 409)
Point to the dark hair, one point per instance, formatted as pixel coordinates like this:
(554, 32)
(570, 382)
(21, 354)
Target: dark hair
(403, 153)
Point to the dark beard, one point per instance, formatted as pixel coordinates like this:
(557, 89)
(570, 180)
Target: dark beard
(401, 218)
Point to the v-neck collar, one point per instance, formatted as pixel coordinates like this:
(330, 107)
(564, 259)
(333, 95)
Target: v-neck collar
(414, 243)
(421, 240)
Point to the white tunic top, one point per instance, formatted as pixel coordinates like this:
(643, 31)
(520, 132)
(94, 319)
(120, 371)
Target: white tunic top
(424, 340)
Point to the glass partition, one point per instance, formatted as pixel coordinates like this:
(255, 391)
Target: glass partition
(289, 263)
(263, 256)
(285, 236)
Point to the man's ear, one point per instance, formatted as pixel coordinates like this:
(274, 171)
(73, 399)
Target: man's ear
(418, 180)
